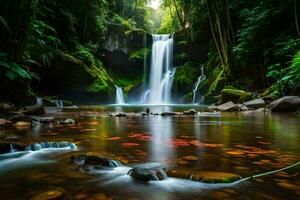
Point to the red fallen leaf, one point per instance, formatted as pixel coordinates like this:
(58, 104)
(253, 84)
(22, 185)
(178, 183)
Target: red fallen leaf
(114, 138)
(179, 143)
(135, 135)
(128, 145)
(145, 138)
(93, 123)
(140, 153)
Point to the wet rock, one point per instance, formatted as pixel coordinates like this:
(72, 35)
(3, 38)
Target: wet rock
(243, 108)
(229, 106)
(148, 172)
(34, 110)
(255, 104)
(144, 114)
(169, 114)
(50, 195)
(190, 158)
(206, 177)
(22, 124)
(121, 115)
(6, 108)
(235, 95)
(190, 112)
(66, 121)
(5, 123)
(285, 104)
(268, 99)
(95, 161)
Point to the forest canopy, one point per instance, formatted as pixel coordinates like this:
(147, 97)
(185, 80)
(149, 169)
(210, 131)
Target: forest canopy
(250, 45)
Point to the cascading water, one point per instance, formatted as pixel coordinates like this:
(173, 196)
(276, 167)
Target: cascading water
(59, 103)
(161, 75)
(144, 97)
(119, 96)
(39, 101)
(201, 78)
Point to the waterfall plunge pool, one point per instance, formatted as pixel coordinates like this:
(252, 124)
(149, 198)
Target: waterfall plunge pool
(243, 144)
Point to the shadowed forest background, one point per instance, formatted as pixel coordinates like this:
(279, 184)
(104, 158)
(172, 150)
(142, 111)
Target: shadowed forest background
(79, 50)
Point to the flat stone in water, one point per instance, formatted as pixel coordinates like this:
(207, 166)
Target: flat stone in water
(190, 158)
(50, 195)
(205, 176)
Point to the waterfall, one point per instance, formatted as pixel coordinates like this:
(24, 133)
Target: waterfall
(59, 103)
(144, 97)
(39, 101)
(119, 96)
(201, 78)
(161, 74)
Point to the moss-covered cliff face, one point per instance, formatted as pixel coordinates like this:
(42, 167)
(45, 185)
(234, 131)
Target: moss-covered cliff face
(188, 58)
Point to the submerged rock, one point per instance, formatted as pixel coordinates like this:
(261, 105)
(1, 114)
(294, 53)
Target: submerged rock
(190, 112)
(148, 172)
(255, 104)
(50, 195)
(229, 106)
(206, 177)
(285, 104)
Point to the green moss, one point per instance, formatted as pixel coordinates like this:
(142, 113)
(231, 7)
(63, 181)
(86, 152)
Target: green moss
(235, 95)
(186, 74)
(187, 98)
(139, 54)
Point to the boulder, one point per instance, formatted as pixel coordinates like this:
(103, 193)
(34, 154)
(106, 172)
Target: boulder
(6, 108)
(255, 104)
(98, 162)
(234, 95)
(50, 195)
(148, 172)
(5, 123)
(34, 110)
(190, 112)
(285, 104)
(229, 106)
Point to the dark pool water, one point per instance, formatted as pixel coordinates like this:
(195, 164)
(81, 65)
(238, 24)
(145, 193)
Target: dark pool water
(240, 143)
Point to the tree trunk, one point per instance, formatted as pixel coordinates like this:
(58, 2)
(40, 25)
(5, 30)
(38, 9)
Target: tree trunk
(178, 14)
(296, 18)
